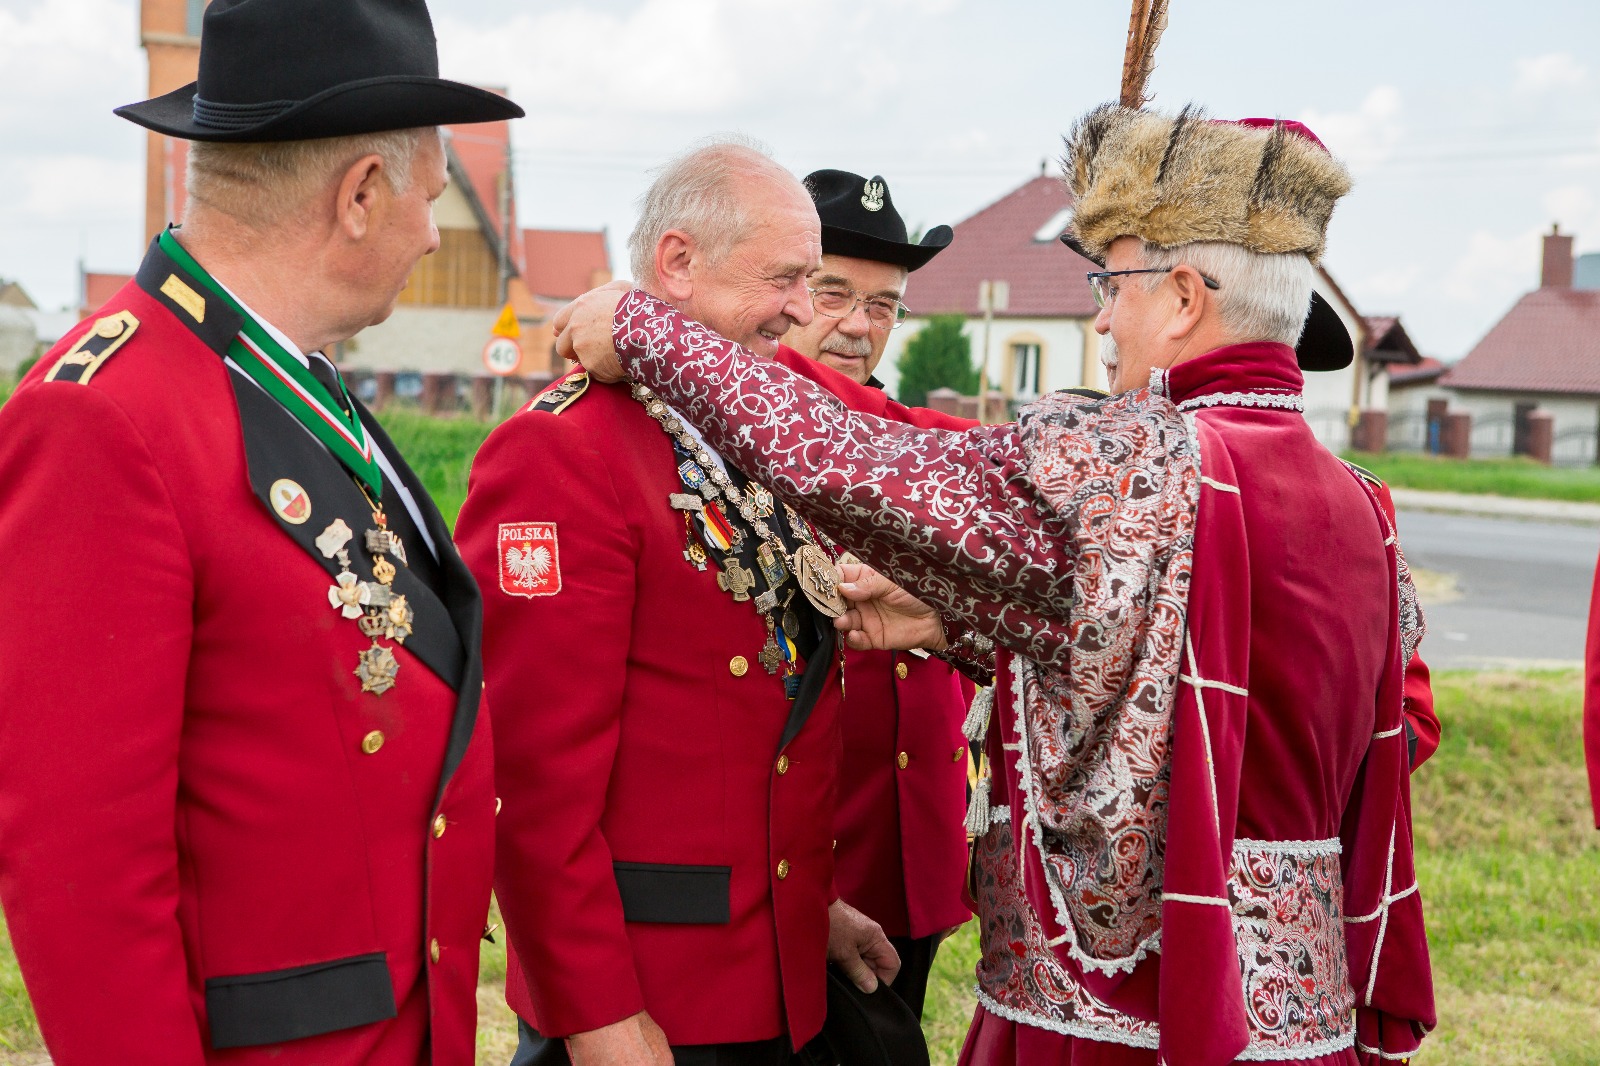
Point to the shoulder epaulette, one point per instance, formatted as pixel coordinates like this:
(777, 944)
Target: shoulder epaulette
(562, 395)
(1364, 474)
(107, 335)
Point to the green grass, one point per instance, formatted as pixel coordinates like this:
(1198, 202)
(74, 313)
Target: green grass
(1498, 477)
(440, 450)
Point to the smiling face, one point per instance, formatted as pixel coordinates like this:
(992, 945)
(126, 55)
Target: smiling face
(757, 291)
(850, 345)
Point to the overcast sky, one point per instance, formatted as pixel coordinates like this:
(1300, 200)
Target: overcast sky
(1470, 126)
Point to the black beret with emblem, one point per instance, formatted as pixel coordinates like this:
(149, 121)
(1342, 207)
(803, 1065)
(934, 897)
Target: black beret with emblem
(859, 221)
(296, 70)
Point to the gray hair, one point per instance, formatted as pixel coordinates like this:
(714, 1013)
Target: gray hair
(698, 193)
(262, 184)
(1261, 297)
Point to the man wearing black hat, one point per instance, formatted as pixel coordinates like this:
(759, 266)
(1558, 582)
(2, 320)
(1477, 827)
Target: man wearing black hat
(246, 806)
(902, 848)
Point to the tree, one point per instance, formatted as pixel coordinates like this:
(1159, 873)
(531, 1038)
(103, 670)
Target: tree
(938, 357)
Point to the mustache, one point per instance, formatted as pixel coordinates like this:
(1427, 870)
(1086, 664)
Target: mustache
(859, 347)
(1108, 351)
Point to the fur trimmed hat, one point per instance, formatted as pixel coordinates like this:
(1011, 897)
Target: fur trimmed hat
(1268, 186)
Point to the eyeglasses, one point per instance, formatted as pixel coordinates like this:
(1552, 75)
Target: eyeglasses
(1104, 294)
(882, 312)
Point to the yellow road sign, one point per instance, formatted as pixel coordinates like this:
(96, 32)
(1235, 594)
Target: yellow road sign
(506, 325)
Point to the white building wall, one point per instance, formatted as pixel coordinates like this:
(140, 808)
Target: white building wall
(18, 338)
(425, 339)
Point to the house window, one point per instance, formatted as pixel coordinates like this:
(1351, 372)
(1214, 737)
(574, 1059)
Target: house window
(1025, 370)
(196, 12)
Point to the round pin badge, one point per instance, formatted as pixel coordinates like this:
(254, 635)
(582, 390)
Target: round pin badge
(290, 501)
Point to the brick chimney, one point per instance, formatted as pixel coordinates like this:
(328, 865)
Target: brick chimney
(1556, 272)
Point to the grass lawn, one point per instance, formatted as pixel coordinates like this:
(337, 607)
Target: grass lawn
(1509, 861)
(1498, 477)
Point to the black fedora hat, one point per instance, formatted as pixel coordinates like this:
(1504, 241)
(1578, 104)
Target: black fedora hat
(859, 221)
(1325, 344)
(866, 1029)
(297, 70)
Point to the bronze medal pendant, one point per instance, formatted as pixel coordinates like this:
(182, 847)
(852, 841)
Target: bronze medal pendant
(376, 669)
(737, 580)
(819, 580)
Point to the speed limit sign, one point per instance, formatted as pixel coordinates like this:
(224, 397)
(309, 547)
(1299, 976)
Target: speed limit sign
(502, 356)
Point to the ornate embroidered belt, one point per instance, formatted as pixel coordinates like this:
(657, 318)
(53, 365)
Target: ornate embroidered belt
(1287, 901)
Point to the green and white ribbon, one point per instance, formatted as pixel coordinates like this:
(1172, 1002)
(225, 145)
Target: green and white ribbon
(289, 382)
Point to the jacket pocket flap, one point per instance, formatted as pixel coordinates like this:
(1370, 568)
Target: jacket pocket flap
(248, 1010)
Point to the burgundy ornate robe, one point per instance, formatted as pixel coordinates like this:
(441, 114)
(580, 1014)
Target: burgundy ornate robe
(1200, 844)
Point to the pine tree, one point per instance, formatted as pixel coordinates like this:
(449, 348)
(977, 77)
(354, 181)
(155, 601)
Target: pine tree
(938, 357)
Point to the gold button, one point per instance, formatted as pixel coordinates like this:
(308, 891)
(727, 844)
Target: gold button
(497, 805)
(783, 869)
(433, 950)
(835, 845)
(438, 826)
(110, 328)
(956, 755)
(783, 764)
(901, 670)
(902, 760)
(372, 742)
(738, 665)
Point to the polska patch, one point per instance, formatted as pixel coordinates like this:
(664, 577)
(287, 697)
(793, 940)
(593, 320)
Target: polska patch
(530, 559)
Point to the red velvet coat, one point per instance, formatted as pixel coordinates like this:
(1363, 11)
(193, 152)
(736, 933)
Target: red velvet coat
(901, 856)
(648, 805)
(196, 846)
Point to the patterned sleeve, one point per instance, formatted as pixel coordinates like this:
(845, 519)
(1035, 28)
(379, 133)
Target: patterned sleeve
(953, 516)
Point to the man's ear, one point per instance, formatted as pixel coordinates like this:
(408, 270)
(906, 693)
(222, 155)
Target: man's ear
(1189, 297)
(676, 253)
(359, 194)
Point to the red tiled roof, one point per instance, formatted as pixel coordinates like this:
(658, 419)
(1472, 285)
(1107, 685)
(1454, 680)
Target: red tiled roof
(1388, 342)
(563, 263)
(98, 288)
(1425, 372)
(1548, 342)
(997, 243)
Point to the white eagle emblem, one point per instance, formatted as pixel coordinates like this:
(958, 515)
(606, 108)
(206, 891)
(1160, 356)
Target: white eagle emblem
(528, 565)
(872, 196)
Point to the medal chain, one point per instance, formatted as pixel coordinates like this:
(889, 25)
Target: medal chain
(755, 507)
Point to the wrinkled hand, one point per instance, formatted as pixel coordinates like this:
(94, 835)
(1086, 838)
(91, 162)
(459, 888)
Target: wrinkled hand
(583, 331)
(885, 616)
(856, 945)
(635, 1041)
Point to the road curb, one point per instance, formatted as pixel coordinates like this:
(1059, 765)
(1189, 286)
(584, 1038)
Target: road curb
(1573, 513)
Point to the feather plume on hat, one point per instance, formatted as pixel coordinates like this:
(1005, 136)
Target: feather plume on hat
(1270, 187)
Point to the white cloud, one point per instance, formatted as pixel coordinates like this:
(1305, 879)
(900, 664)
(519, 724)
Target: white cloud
(1494, 269)
(1576, 210)
(1551, 71)
(1386, 288)
(1367, 136)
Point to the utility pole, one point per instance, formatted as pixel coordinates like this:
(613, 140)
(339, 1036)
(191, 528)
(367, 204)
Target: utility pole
(992, 296)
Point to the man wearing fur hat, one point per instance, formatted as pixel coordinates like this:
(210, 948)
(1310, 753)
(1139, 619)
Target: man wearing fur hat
(1199, 843)
(246, 801)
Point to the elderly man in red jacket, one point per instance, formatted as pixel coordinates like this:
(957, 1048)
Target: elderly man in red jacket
(246, 806)
(665, 856)
(902, 844)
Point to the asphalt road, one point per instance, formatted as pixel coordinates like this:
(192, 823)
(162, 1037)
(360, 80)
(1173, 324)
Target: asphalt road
(1521, 588)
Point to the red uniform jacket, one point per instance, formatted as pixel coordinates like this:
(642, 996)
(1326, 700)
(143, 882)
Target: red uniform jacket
(665, 843)
(1591, 701)
(208, 853)
(901, 856)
